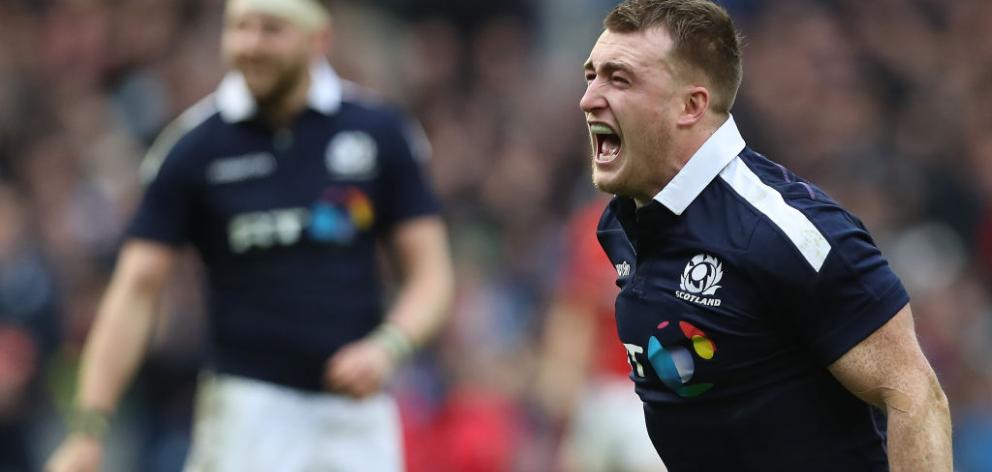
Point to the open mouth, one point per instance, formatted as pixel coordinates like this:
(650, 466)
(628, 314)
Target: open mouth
(606, 141)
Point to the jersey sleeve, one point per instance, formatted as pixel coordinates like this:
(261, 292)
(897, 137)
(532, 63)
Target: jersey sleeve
(852, 294)
(165, 212)
(407, 191)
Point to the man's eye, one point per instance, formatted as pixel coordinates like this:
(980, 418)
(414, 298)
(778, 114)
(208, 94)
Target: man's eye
(590, 77)
(620, 80)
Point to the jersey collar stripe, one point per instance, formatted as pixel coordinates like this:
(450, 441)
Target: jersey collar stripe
(797, 227)
(236, 104)
(719, 149)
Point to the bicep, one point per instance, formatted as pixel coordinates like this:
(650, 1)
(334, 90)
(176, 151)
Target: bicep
(831, 308)
(144, 265)
(888, 368)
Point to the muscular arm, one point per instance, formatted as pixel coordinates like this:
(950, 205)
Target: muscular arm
(421, 251)
(119, 337)
(888, 370)
(116, 345)
(421, 248)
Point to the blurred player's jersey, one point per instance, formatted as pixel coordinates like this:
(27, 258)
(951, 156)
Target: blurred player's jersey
(286, 221)
(740, 283)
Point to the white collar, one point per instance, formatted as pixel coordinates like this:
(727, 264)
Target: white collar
(715, 153)
(236, 104)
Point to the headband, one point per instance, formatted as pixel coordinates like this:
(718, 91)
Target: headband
(309, 14)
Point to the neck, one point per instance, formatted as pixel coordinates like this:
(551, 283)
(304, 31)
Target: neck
(690, 140)
(280, 109)
(698, 135)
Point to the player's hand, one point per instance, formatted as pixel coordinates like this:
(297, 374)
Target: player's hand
(77, 454)
(359, 369)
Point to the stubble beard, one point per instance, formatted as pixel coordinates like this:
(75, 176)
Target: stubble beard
(287, 78)
(604, 187)
(639, 176)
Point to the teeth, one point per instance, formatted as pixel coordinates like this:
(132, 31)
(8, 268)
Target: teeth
(598, 128)
(610, 146)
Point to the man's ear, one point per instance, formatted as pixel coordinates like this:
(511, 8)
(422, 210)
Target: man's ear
(696, 101)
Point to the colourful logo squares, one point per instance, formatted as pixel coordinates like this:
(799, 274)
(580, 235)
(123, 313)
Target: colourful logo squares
(675, 365)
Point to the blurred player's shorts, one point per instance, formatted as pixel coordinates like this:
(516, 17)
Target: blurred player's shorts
(607, 432)
(245, 425)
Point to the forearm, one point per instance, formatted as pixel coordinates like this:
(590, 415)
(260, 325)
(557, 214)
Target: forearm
(361, 368)
(119, 337)
(422, 303)
(115, 347)
(920, 438)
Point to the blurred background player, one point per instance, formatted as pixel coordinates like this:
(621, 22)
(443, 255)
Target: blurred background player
(284, 180)
(584, 373)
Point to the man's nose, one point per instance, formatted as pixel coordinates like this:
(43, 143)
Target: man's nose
(592, 99)
(250, 41)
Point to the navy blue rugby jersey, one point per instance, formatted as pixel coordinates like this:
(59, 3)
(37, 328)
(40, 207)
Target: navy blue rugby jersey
(285, 221)
(740, 283)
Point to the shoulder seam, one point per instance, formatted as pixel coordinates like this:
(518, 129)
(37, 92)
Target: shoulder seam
(191, 118)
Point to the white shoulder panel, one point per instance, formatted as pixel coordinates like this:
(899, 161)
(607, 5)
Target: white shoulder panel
(188, 120)
(799, 229)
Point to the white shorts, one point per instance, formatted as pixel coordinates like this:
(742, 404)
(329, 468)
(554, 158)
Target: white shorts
(246, 425)
(607, 431)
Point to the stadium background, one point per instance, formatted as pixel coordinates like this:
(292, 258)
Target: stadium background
(886, 104)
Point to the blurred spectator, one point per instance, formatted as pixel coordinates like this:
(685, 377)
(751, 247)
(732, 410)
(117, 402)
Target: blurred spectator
(28, 329)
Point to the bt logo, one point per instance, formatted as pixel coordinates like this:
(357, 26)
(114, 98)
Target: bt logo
(336, 218)
(264, 229)
(674, 364)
